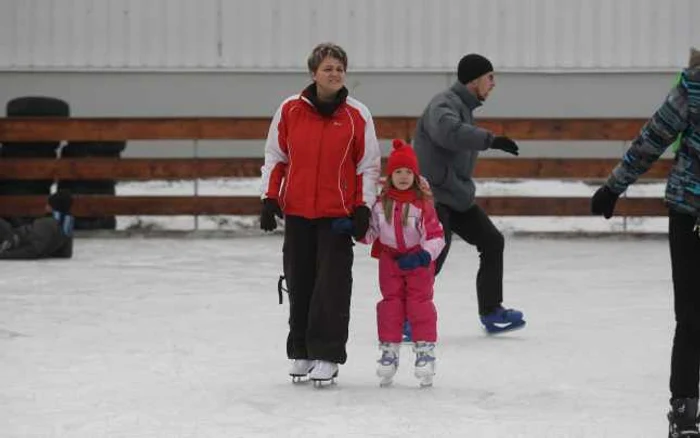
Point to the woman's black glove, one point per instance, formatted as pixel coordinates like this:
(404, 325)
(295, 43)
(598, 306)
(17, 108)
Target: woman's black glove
(270, 209)
(360, 221)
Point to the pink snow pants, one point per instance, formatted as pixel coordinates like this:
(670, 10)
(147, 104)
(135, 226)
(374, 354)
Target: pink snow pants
(406, 295)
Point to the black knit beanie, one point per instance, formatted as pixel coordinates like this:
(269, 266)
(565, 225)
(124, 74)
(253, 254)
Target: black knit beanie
(471, 67)
(61, 201)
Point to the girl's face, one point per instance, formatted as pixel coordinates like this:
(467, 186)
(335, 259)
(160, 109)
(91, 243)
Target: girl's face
(330, 76)
(402, 178)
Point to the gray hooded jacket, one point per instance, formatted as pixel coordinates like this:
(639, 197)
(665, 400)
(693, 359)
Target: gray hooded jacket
(447, 144)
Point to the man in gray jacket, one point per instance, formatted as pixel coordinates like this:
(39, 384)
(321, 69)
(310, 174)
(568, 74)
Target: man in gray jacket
(447, 143)
(45, 237)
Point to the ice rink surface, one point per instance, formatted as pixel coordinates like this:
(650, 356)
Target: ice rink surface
(176, 338)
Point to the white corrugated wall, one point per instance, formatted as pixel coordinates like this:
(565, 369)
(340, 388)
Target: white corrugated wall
(419, 35)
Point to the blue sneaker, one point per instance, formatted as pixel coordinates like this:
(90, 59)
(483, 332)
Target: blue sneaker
(502, 320)
(407, 333)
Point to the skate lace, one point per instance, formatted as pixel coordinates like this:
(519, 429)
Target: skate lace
(388, 358)
(423, 358)
(505, 314)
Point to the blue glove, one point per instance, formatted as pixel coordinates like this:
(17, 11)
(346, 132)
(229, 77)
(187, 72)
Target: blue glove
(412, 261)
(343, 225)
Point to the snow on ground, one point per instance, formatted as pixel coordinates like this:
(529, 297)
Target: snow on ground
(249, 187)
(184, 338)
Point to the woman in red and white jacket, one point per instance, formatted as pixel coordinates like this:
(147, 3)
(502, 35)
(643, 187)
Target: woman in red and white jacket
(322, 163)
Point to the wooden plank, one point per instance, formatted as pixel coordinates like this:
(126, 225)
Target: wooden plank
(96, 206)
(560, 168)
(143, 169)
(89, 206)
(255, 128)
(565, 129)
(159, 128)
(130, 169)
(541, 206)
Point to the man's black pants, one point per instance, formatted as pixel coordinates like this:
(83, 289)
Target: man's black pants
(475, 227)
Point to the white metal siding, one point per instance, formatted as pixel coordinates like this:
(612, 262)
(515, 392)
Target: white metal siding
(518, 35)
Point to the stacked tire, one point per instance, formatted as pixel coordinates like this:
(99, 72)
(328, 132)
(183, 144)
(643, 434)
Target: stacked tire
(92, 149)
(31, 106)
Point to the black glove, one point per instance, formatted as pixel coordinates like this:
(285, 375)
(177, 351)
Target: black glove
(603, 202)
(360, 221)
(505, 144)
(270, 209)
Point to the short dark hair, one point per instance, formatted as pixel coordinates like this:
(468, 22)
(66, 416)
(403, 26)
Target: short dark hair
(324, 50)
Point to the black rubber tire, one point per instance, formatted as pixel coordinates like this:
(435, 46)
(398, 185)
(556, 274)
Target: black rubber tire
(31, 106)
(88, 187)
(91, 188)
(93, 149)
(28, 150)
(34, 106)
(96, 223)
(37, 106)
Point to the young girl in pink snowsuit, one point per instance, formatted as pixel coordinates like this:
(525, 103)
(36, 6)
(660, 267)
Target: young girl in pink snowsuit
(407, 238)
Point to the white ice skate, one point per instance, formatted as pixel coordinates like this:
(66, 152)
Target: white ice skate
(388, 363)
(323, 372)
(425, 362)
(300, 369)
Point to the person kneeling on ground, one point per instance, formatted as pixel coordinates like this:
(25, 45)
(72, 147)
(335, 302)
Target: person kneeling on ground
(46, 237)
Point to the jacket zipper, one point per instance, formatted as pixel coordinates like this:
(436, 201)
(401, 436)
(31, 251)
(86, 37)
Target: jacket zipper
(318, 162)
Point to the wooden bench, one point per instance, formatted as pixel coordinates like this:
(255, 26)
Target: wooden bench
(223, 128)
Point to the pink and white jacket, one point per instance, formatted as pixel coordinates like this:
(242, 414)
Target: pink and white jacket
(422, 230)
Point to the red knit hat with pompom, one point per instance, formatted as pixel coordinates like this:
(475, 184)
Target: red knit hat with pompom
(402, 155)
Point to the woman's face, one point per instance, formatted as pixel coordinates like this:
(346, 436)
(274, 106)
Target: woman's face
(402, 178)
(330, 76)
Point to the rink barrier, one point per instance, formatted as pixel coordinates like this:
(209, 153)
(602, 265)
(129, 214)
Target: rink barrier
(228, 128)
(145, 169)
(255, 128)
(96, 206)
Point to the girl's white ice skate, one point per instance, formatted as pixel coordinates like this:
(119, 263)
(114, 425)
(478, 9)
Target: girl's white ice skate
(388, 363)
(323, 372)
(425, 362)
(300, 369)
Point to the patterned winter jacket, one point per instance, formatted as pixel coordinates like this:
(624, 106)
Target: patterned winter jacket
(679, 114)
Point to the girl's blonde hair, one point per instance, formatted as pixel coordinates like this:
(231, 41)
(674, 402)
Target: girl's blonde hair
(421, 188)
